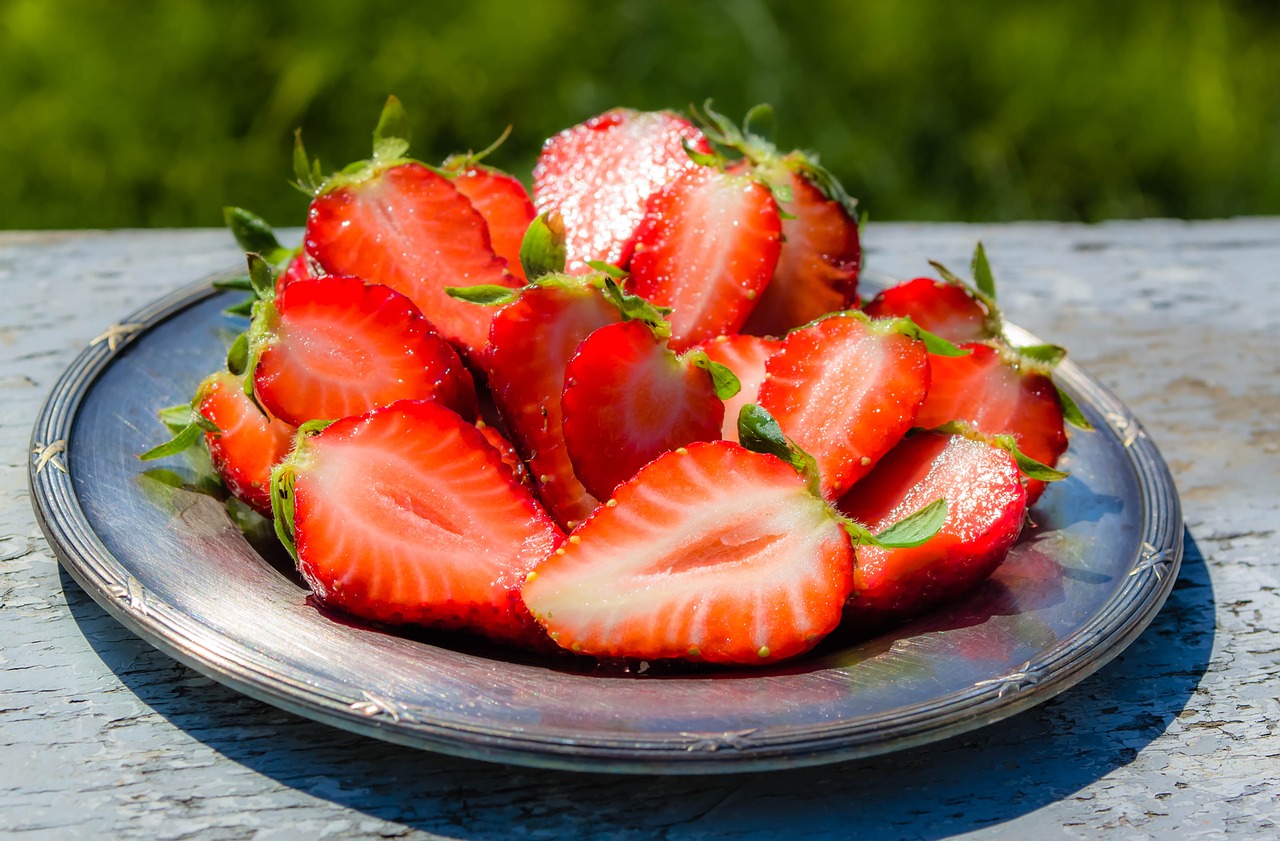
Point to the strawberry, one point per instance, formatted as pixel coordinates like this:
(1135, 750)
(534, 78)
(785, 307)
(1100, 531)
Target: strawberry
(397, 222)
(999, 393)
(846, 389)
(298, 268)
(627, 399)
(710, 553)
(745, 356)
(407, 515)
(706, 247)
(818, 265)
(598, 175)
(335, 346)
(501, 199)
(508, 452)
(530, 343)
(244, 444)
(987, 507)
(942, 308)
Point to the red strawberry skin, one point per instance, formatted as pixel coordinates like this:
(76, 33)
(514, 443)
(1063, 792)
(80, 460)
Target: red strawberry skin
(706, 247)
(745, 356)
(598, 175)
(298, 269)
(508, 452)
(530, 345)
(406, 515)
(941, 308)
(340, 346)
(818, 266)
(998, 398)
(505, 205)
(408, 228)
(846, 391)
(713, 554)
(248, 443)
(986, 507)
(627, 400)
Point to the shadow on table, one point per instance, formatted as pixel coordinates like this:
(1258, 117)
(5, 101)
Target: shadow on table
(980, 779)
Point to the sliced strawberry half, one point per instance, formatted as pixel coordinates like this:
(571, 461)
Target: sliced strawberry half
(706, 248)
(745, 356)
(627, 399)
(985, 513)
(243, 443)
(598, 175)
(942, 308)
(505, 205)
(818, 265)
(335, 346)
(531, 341)
(846, 389)
(999, 394)
(713, 553)
(406, 515)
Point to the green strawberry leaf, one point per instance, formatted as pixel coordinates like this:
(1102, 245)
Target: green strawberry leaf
(542, 251)
(190, 426)
(726, 382)
(253, 234)
(760, 433)
(634, 308)
(1070, 411)
(177, 418)
(306, 173)
(1028, 466)
(261, 277)
(1045, 354)
(244, 308)
(981, 271)
(933, 343)
(391, 135)
(609, 269)
(757, 113)
(282, 478)
(487, 295)
(238, 355)
(239, 283)
(916, 529)
(701, 158)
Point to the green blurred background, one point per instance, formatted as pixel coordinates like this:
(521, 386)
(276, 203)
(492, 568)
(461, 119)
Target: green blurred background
(158, 114)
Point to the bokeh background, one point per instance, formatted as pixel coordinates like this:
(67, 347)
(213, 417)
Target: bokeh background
(158, 114)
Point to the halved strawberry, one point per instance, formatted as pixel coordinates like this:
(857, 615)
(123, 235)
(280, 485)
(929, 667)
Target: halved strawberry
(627, 399)
(710, 553)
(986, 510)
(846, 389)
(942, 308)
(244, 444)
(818, 266)
(334, 346)
(745, 356)
(598, 175)
(504, 203)
(999, 393)
(530, 343)
(407, 515)
(396, 222)
(706, 247)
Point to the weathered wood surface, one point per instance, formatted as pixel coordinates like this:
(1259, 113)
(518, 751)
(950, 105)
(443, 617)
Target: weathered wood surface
(101, 736)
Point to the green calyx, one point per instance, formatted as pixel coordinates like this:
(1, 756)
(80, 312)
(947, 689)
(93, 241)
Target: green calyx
(633, 307)
(390, 149)
(982, 289)
(759, 432)
(725, 382)
(188, 427)
(455, 164)
(542, 251)
(727, 138)
(283, 476)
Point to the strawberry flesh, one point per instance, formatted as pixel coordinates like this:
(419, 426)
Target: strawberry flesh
(713, 554)
(941, 308)
(530, 344)
(411, 229)
(818, 265)
(706, 247)
(627, 400)
(339, 346)
(997, 397)
(745, 356)
(407, 515)
(845, 391)
(247, 444)
(598, 175)
(504, 203)
(986, 507)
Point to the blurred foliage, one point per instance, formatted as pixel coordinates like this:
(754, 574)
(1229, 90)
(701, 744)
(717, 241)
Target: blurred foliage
(157, 114)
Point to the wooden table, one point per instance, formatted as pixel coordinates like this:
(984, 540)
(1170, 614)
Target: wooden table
(102, 736)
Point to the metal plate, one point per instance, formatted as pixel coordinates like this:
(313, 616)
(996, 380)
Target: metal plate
(167, 561)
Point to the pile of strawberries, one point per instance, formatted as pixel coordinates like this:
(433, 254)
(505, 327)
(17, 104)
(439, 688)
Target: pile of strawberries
(640, 415)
